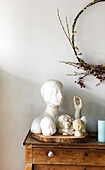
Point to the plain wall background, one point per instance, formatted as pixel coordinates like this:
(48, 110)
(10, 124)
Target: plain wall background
(31, 45)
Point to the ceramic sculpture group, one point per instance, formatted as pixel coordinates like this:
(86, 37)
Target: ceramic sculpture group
(52, 120)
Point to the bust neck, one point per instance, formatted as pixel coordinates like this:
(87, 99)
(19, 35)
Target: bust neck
(52, 110)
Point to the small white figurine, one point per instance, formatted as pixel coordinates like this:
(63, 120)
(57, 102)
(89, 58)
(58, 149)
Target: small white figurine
(52, 93)
(65, 125)
(48, 126)
(78, 125)
(84, 119)
(78, 106)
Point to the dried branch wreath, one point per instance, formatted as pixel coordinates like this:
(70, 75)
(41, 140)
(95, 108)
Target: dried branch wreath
(89, 69)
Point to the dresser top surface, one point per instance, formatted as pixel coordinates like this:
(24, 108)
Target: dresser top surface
(92, 143)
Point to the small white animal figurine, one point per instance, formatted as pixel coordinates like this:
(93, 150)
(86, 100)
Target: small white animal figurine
(78, 106)
(78, 125)
(52, 93)
(65, 125)
(48, 126)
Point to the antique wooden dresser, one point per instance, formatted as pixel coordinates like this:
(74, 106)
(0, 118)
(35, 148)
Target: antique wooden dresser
(54, 156)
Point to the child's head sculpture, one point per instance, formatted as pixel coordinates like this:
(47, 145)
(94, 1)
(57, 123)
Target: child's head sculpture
(52, 92)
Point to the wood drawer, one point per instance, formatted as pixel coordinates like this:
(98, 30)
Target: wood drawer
(66, 167)
(69, 156)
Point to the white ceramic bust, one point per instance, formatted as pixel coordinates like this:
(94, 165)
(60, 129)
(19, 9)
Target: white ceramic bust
(78, 125)
(78, 106)
(52, 93)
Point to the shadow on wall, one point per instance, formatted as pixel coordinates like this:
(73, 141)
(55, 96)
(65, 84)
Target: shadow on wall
(19, 104)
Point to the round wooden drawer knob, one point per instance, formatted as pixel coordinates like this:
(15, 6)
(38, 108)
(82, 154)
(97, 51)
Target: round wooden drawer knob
(50, 154)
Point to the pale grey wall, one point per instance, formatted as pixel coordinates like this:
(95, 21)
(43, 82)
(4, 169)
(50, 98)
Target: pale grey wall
(31, 46)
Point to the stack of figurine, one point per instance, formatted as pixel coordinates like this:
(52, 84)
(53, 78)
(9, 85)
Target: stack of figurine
(52, 120)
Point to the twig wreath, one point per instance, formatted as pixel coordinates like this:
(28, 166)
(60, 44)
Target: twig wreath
(89, 69)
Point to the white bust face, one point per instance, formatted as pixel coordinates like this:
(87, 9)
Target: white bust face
(52, 92)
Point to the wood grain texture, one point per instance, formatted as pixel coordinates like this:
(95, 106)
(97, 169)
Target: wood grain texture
(28, 166)
(28, 153)
(82, 156)
(66, 167)
(60, 138)
(69, 156)
(92, 143)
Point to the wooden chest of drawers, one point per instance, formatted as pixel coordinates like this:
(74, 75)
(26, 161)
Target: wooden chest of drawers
(54, 156)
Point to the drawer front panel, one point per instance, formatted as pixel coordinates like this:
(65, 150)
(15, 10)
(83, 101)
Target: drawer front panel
(69, 156)
(66, 167)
